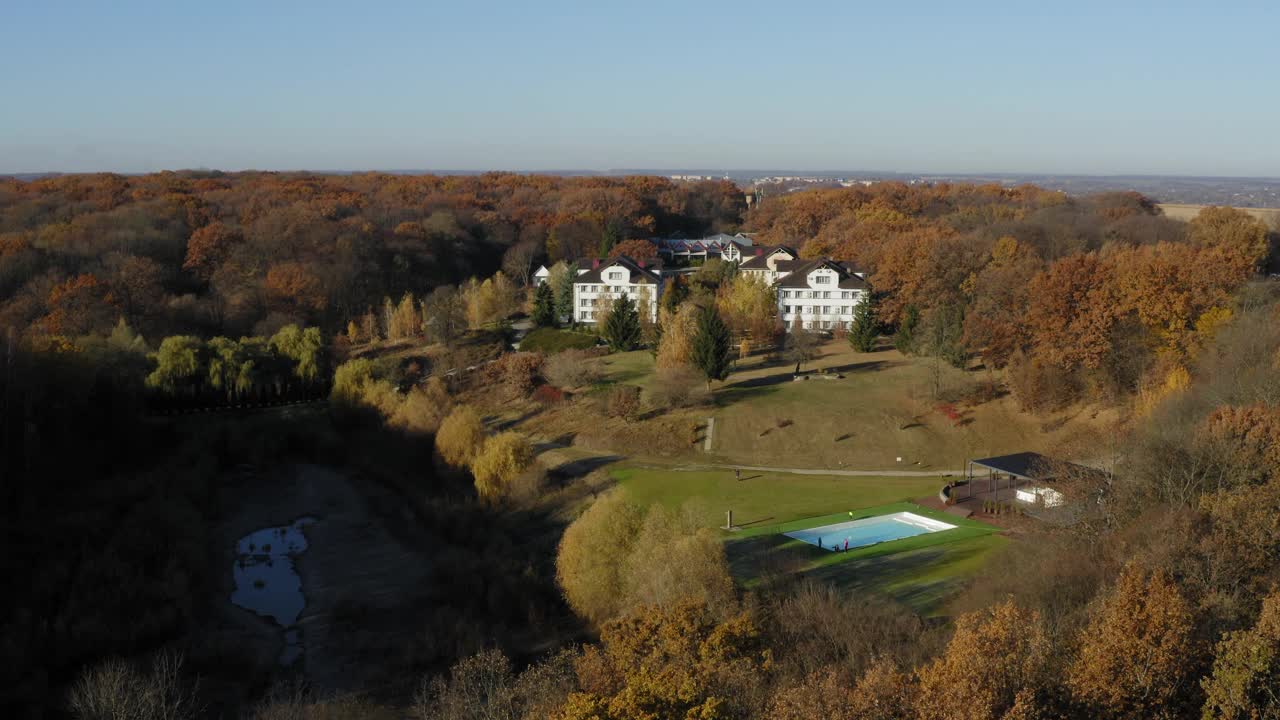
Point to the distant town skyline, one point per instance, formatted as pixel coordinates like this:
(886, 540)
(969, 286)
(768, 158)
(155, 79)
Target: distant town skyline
(937, 88)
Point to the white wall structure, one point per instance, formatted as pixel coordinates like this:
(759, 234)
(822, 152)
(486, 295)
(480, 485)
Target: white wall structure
(596, 289)
(822, 294)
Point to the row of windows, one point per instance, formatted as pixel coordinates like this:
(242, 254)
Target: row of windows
(587, 315)
(817, 294)
(820, 309)
(826, 325)
(606, 288)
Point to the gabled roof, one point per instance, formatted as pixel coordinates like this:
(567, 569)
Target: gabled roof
(800, 269)
(647, 274)
(756, 258)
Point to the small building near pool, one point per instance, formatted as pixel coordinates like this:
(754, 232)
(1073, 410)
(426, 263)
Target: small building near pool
(1027, 478)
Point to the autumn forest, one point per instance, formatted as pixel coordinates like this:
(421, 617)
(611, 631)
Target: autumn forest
(368, 318)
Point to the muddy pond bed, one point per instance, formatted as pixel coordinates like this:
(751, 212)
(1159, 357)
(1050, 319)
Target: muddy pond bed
(267, 581)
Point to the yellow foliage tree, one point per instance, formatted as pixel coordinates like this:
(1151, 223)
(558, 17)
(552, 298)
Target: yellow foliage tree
(994, 657)
(461, 436)
(749, 306)
(592, 554)
(1176, 380)
(1137, 650)
(678, 328)
(673, 559)
(1245, 683)
(499, 461)
(684, 661)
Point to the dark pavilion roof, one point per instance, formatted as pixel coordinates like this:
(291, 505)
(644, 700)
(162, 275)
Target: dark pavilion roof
(1030, 466)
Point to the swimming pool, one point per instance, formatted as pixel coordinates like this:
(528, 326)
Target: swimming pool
(869, 531)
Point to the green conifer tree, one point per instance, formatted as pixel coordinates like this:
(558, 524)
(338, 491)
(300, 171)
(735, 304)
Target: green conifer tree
(564, 293)
(866, 325)
(905, 339)
(544, 310)
(622, 327)
(711, 342)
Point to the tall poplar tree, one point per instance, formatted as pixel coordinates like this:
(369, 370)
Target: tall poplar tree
(710, 351)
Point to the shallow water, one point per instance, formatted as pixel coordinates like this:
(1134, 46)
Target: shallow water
(267, 583)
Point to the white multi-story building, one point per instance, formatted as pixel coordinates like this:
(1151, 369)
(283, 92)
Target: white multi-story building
(595, 290)
(821, 294)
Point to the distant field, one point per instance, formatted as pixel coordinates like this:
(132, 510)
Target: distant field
(1271, 216)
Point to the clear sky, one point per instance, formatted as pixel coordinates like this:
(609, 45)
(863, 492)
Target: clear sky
(927, 86)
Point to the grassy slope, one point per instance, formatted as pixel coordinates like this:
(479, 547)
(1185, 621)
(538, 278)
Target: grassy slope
(921, 571)
(763, 418)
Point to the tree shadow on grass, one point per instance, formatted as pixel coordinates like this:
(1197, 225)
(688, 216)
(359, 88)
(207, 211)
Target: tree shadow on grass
(776, 558)
(868, 366)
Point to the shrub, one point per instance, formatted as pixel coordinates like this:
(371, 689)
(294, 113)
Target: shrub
(517, 371)
(423, 408)
(461, 436)
(548, 395)
(550, 341)
(499, 461)
(1040, 385)
(116, 690)
(623, 402)
(678, 387)
(572, 369)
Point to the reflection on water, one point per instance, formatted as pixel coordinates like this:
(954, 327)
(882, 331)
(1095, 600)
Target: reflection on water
(267, 583)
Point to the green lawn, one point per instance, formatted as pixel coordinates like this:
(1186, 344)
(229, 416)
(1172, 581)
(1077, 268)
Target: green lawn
(921, 572)
(629, 368)
(763, 499)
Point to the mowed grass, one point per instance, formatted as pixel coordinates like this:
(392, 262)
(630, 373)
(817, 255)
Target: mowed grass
(764, 499)
(922, 572)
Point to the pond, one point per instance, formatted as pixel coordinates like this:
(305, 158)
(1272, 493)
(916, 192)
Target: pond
(267, 583)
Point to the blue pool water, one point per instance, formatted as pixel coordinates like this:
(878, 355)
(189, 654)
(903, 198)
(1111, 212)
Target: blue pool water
(869, 531)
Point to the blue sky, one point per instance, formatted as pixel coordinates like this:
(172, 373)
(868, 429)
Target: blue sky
(1080, 87)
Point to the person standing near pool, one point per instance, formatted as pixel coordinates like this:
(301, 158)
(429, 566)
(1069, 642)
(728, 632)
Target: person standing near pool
(846, 544)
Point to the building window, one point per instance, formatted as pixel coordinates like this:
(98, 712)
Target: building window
(786, 293)
(826, 309)
(583, 315)
(822, 279)
(786, 309)
(826, 294)
(615, 276)
(846, 309)
(844, 295)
